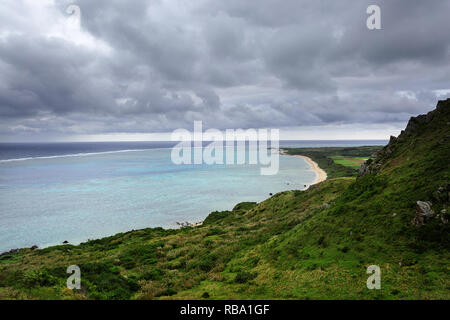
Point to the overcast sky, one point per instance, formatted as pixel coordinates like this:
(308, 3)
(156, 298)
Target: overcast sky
(130, 68)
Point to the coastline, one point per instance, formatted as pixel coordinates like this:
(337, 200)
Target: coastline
(321, 175)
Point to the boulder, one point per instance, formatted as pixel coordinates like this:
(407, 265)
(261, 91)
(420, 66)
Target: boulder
(9, 252)
(392, 139)
(423, 212)
(424, 209)
(363, 169)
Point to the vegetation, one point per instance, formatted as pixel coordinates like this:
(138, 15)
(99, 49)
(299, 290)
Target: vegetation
(353, 162)
(313, 244)
(337, 162)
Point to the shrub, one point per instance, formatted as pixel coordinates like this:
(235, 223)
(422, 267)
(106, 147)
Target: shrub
(127, 263)
(104, 282)
(215, 216)
(214, 231)
(146, 254)
(10, 278)
(206, 265)
(39, 278)
(153, 274)
(244, 206)
(167, 292)
(244, 276)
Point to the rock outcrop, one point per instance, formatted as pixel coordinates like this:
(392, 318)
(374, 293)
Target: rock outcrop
(423, 213)
(415, 127)
(9, 252)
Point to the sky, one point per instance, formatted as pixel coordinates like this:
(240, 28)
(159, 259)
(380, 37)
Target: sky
(139, 69)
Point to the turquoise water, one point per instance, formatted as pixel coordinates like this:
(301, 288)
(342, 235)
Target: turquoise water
(44, 201)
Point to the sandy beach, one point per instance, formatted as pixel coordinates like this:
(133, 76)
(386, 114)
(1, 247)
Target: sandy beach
(321, 175)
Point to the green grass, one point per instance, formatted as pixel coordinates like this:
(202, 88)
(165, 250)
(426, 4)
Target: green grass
(337, 161)
(353, 162)
(313, 244)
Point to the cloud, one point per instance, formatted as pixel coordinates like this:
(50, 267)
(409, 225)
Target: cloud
(152, 66)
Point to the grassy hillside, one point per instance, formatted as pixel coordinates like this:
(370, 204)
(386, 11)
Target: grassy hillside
(313, 244)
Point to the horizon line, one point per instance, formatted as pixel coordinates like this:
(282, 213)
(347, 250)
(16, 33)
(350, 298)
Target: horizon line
(176, 141)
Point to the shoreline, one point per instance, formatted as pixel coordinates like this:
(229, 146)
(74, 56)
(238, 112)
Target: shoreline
(321, 175)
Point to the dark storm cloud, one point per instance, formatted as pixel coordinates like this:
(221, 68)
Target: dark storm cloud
(148, 66)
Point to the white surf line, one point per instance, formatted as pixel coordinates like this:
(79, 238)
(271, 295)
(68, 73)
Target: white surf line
(76, 155)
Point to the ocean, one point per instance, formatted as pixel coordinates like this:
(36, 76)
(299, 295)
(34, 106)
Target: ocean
(55, 192)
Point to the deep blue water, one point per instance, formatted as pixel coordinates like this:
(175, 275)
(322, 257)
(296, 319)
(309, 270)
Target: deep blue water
(78, 191)
(32, 150)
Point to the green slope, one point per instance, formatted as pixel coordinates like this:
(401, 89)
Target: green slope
(313, 244)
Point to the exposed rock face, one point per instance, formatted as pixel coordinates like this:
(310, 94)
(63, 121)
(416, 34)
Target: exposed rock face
(436, 127)
(9, 252)
(369, 166)
(363, 170)
(423, 212)
(415, 126)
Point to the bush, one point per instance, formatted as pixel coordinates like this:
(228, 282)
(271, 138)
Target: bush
(206, 263)
(146, 254)
(6, 257)
(167, 292)
(10, 278)
(153, 274)
(244, 276)
(215, 216)
(245, 206)
(104, 282)
(214, 231)
(127, 263)
(39, 278)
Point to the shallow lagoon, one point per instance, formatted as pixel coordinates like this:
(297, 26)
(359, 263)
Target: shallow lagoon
(45, 201)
